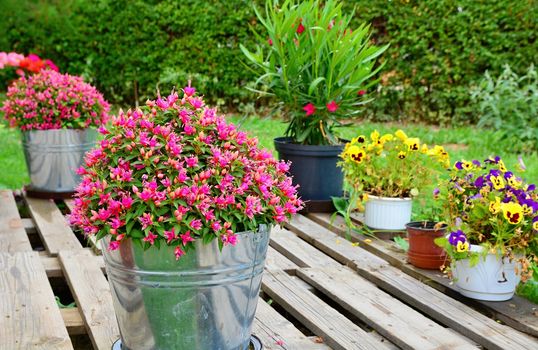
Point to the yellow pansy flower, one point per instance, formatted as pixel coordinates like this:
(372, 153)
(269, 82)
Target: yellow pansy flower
(412, 143)
(424, 148)
(535, 226)
(401, 135)
(501, 166)
(466, 165)
(497, 181)
(356, 154)
(462, 246)
(526, 209)
(361, 139)
(513, 212)
(402, 155)
(495, 207)
(387, 137)
(514, 182)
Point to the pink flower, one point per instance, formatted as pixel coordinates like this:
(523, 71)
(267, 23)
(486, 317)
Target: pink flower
(196, 224)
(191, 162)
(178, 252)
(170, 236)
(309, 109)
(332, 106)
(150, 238)
(270, 42)
(146, 220)
(113, 245)
(186, 238)
(300, 28)
(361, 92)
(188, 90)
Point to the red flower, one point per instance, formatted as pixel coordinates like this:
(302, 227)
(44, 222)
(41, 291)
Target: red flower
(309, 109)
(300, 28)
(361, 92)
(270, 42)
(332, 106)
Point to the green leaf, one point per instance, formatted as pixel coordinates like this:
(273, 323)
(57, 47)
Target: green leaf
(402, 243)
(314, 84)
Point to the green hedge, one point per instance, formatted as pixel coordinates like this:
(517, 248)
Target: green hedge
(438, 47)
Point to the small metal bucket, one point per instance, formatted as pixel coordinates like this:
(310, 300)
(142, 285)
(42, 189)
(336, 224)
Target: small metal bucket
(205, 300)
(53, 156)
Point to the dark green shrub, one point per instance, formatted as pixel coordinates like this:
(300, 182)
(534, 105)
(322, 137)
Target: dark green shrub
(438, 47)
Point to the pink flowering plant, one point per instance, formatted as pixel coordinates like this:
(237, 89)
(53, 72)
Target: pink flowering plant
(51, 100)
(14, 65)
(318, 67)
(173, 172)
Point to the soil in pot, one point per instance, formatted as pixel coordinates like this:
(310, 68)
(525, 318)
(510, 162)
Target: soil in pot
(423, 252)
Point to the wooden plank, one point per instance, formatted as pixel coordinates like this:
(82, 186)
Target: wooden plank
(92, 241)
(299, 251)
(53, 268)
(92, 295)
(73, 321)
(337, 331)
(277, 261)
(13, 237)
(396, 321)
(52, 226)
(435, 304)
(29, 316)
(518, 312)
(276, 332)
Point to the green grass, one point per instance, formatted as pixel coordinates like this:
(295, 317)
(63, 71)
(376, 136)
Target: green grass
(13, 173)
(462, 142)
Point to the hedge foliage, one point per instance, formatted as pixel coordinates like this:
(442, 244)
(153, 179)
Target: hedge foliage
(439, 48)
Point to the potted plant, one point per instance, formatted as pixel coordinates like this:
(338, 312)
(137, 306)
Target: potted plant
(319, 70)
(493, 220)
(422, 251)
(183, 203)
(386, 172)
(54, 112)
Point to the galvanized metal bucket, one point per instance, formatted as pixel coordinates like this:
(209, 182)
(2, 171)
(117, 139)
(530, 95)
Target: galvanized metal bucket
(206, 300)
(53, 156)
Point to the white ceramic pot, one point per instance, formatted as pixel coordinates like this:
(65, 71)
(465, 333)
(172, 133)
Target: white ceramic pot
(492, 279)
(383, 213)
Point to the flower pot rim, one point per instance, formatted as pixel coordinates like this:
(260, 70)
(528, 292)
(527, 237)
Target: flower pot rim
(421, 228)
(285, 140)
(390, 199)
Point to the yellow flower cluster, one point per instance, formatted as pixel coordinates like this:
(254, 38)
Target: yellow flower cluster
(361, 148)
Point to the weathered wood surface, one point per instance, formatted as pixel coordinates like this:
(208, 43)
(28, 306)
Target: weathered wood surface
(276, 332)
(435, 304)
(396, 321)
(29, 316)
(52, 226)
(518, 312)
(337, 331)
(92, 295)
(13, 237)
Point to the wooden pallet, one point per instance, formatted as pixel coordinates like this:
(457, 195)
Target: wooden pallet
(319, 291)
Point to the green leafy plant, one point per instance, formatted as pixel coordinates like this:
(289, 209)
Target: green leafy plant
(315, 64)
(509, 104)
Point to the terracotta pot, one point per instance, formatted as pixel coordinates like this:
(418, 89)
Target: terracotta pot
(423, 252)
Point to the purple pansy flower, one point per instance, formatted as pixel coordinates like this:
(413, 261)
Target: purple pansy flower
(508, 175)
(479, 182)
(457, 236)
(493, 160)
(477, 163)
(459, 165)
